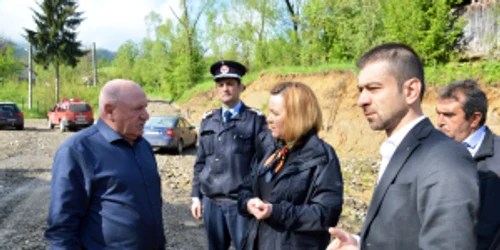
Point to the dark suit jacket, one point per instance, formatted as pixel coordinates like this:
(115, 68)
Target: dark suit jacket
(427, 198)
(488, 165)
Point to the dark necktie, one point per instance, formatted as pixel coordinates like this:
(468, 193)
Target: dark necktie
(227, 116)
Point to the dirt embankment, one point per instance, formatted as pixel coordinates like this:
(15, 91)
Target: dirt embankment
(345, 127)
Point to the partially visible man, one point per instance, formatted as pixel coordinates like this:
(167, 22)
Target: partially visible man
(462, 108)
(106, 190)
(228, 139)
(427, 195)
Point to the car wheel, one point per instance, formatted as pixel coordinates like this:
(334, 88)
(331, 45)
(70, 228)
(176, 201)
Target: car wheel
(20, 127)
(50, 125)
(156, 149)
(195, 141)
(63, 126)
(180, 147)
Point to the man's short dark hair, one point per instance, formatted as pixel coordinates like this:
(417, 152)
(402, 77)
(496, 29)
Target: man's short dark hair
(475, 98)
(403, 60)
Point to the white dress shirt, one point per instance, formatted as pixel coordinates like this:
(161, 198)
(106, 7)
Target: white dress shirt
(474, 141)
(390, 145)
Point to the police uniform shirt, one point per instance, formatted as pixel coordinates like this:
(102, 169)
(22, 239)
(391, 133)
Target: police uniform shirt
(225, 151)
(234, 111)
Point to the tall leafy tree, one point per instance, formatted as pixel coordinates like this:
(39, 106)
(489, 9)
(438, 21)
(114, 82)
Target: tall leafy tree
(294, 10)
(54, 39)
(9, 65)
(245, 35)
(432, 28)
(125, 60)
(187, 51)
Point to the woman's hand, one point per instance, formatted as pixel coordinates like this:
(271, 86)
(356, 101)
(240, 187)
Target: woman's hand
(252, 205)
(259, 209)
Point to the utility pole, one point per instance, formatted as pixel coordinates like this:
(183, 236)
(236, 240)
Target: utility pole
(94, 63)
(30, 78)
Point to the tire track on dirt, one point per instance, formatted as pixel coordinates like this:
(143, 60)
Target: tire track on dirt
(23, 212)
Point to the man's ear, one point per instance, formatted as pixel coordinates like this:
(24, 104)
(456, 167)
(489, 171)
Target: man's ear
(108, 111)
(243, 87)
(475, 119)
(411, 90)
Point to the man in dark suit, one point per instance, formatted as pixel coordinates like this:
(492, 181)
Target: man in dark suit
(462, 108)
(427, 195)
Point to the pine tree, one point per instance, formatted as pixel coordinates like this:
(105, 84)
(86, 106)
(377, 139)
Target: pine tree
(55, 37)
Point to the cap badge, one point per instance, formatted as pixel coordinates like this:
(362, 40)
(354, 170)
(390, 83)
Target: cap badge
(224, 69)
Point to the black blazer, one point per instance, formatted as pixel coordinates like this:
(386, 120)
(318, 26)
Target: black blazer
(427, 198)
(488, 165)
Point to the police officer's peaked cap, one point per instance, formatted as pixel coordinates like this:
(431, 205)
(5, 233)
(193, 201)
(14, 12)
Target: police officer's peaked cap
(227, 69)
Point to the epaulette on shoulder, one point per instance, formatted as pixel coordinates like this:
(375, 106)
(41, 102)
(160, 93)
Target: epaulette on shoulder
(208, 114)
(258, 112)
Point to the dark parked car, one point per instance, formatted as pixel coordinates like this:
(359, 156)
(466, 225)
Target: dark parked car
(11, 116)
(170, 132)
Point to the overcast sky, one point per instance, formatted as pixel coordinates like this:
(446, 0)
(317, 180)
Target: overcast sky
(109, 23)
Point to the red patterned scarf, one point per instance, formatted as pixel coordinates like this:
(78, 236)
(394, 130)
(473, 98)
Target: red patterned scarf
(276, 161)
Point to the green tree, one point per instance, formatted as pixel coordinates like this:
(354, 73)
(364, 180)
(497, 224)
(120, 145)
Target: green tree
(432, 28)
(246, 35)
(54, 39)
(9, 65)
(125, 60)
(339, 30)
(294, 8)
(187, 61)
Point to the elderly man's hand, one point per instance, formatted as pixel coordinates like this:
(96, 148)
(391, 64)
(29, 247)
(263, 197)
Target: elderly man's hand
(343, 241)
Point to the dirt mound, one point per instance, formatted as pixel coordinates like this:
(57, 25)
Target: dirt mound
(345, 126)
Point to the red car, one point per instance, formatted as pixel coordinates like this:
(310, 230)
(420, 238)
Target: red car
(70, 114)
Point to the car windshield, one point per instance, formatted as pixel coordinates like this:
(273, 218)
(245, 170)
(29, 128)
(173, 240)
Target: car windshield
(161, 121)
(79, 108)
(8, 108)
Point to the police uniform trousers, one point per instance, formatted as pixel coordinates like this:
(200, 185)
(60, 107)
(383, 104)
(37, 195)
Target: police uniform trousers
(223, 223)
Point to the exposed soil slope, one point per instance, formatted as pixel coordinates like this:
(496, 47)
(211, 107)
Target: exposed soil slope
(345, 126)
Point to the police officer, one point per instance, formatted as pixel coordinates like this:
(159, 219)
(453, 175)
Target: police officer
(228, 139)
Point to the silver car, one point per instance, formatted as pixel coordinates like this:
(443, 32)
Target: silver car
(170, 132)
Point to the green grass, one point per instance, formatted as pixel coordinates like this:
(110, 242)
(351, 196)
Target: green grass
(486, 72)
(107, 70)
(43, 96)
(208, 83)
(297, 69)
(198, 88)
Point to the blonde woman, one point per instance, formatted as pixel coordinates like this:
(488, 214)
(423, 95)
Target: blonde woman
(295, 192)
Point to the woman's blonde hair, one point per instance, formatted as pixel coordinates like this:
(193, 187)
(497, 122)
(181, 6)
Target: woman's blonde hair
(302, 109)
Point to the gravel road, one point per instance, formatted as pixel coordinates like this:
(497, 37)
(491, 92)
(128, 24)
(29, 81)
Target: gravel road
(25, 172)
(25, 165)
